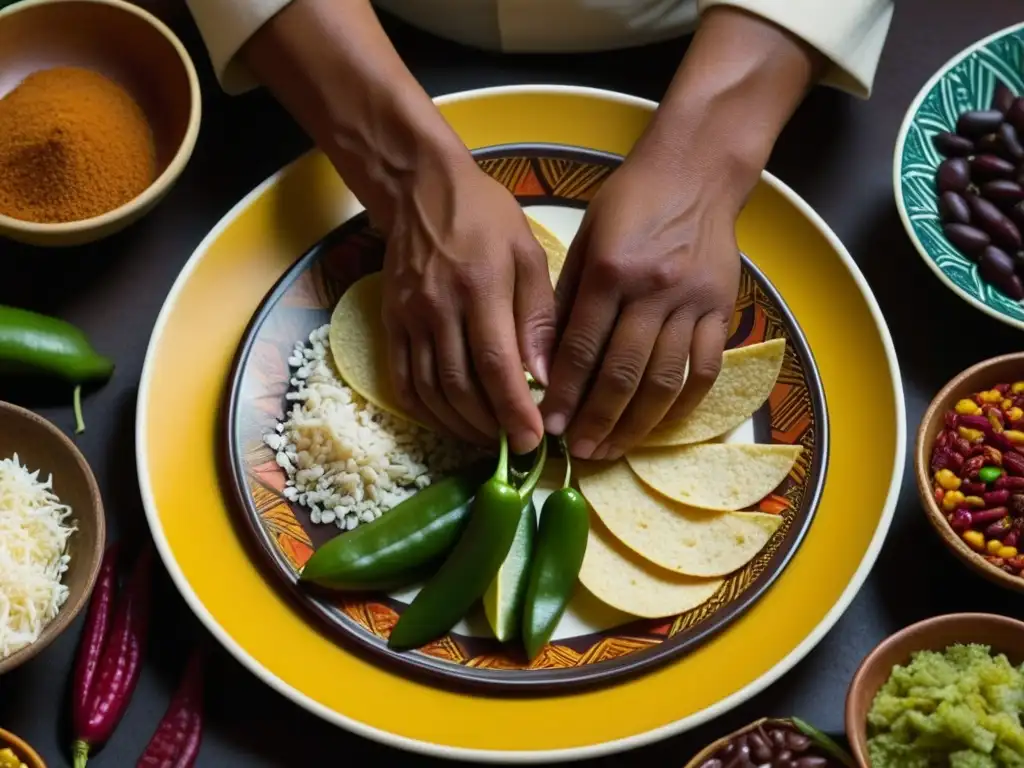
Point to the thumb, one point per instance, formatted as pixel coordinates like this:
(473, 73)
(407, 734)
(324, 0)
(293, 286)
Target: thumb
(534, 308)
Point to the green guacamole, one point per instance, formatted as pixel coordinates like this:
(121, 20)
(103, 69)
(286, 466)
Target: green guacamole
(960, 708)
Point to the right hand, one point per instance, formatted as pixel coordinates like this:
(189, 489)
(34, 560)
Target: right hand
(467, 300)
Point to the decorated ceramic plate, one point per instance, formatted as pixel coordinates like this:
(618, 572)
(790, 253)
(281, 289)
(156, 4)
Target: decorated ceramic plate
(965, 82)
(593, 643)
(195, 524)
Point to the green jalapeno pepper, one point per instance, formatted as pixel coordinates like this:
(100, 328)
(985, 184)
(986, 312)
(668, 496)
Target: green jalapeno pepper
(34, 344)
(469, 569)
(394, 549)
(557, 559)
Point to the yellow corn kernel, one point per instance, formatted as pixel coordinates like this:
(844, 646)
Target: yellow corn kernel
(947, 479)
(974, 539)
(1018, 387)
(973, 435)
(991, 396)
(1015, 436)
(993, 546)
(967, 407)
(952, 500)
(1014, 414)
(1006, 404)
(1006, 552)
(974, 501)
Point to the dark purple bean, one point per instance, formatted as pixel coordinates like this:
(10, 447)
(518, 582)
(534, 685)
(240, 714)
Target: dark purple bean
(953, 209)
(778, 737)
(1009, 143)
(783, 759)
(728, 750)
(797, 741)
(995, 265)
(953, 175)
(760, 750)
(984, 167)
(970, 241)
(811, 761)
(1002, 98)
(1015, 115)
(1002, 192)
(977, 123)
(1003, 232)
(714, 762)
(742, 759)
(951, 145)
(1012, 287)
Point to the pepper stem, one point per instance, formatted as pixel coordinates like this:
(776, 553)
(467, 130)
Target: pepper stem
(526, 489)
(80, 750)
(79, 421)
(501, 473)
(568, 462)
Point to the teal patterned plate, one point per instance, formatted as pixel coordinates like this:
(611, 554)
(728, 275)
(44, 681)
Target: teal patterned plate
(965, 82)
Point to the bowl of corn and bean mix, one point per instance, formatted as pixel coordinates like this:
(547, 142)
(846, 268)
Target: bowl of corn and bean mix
(969, 463)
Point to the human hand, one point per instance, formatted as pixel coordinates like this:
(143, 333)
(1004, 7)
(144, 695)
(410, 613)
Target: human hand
(650, 281)
(467, 299)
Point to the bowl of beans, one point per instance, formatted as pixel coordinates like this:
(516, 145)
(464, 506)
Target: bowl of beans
(775, 743)
(969, 462)
(99, 114)
(958, 175)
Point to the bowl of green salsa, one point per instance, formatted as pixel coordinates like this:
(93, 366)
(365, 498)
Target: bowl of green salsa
(948, 691)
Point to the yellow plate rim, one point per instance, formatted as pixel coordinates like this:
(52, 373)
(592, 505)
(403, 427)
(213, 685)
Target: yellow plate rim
(534, 756)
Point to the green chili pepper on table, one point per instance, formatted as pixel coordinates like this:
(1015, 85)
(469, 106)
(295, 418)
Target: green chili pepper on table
(557, 559)
(395, 549)
(472, 565)
(35, 344)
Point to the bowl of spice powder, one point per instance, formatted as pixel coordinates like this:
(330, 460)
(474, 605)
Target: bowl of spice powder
(99, 114)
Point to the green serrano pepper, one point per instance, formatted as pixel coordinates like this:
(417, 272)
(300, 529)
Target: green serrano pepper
(396, 549)
(557, 559)
(467, 572)
(34, 344)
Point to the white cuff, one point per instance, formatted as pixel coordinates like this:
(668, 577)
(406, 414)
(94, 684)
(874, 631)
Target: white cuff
(226, 25)
(850, 33)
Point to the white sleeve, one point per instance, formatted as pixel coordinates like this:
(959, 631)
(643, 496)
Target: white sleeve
(850, 33)
(226, 25)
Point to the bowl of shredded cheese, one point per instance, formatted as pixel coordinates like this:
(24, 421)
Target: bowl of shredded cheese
(52, 534)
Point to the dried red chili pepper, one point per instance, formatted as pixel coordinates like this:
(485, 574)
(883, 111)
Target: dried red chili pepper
(97, 622)
(176, 741)
(119, 667)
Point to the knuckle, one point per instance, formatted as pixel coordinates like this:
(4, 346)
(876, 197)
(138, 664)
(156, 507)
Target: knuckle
(666, 275)
(489, 361)
(453, 378)
(706, 370)
(622, 376)
(667, 380)
(609, 270)
(581, 350)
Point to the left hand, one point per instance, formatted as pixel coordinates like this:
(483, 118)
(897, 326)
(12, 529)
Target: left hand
(650, 282)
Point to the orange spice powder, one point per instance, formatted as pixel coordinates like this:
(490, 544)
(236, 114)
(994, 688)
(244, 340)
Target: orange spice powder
(73, 145)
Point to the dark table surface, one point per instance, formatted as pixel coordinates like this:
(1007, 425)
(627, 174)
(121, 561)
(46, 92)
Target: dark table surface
(836, 153)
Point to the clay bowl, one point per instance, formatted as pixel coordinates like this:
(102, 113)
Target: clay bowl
(1007, 368)
(40, 445)
(1003, 634)
(21, 750)
(131, 47)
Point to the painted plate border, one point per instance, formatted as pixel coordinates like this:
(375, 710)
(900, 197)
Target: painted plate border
(923, 223)
(346, 632)
(524, 757)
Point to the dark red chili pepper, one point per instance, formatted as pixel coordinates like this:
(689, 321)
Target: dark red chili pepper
(90, 649)
(120, 665)
(176, 741)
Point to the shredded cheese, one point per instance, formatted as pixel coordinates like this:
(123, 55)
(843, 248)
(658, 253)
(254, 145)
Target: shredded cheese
(33, 555)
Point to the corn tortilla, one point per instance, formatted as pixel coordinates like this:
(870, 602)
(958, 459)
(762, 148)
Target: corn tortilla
(358, 339)
(683, 539)
(746, 380)
(718, 476)
(620, 578)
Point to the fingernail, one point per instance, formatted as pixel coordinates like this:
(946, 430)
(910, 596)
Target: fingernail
(540, 371)
(583, 448)
(555, 424)
(524, 442)
(612, 453)
(600, 452)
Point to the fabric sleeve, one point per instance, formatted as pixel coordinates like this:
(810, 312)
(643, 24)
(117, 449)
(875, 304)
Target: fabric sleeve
(226, 25)
(850, 33)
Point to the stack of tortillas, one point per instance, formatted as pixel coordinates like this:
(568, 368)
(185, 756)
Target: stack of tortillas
(666, 529)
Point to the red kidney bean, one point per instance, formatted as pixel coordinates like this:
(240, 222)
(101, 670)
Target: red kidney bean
(961, 519)
(973, 421)
(1015, 114)
(1016, 563)
(996, 498)
(999, 529)
(977, 123)
(1016, 507)
(985, 167)
(972, 489)
(997, 267)
(1003, 232)
(1001, 192)
(951, 419)
(1011, 539)
(972, 466)
(951, 145)
(811, 761)
(945, 458)
(1013, 463)
(1012, 484)
(953, 209)
(953, 175)
(1002, 98)
(961, 446)
(970, 241)
(986, 516)
(1009, 142)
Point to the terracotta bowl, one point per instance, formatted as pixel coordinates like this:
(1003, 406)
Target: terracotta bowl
(131, 47)
(984, 375)
(1004, 635)
(22, 751)
(40, 445)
